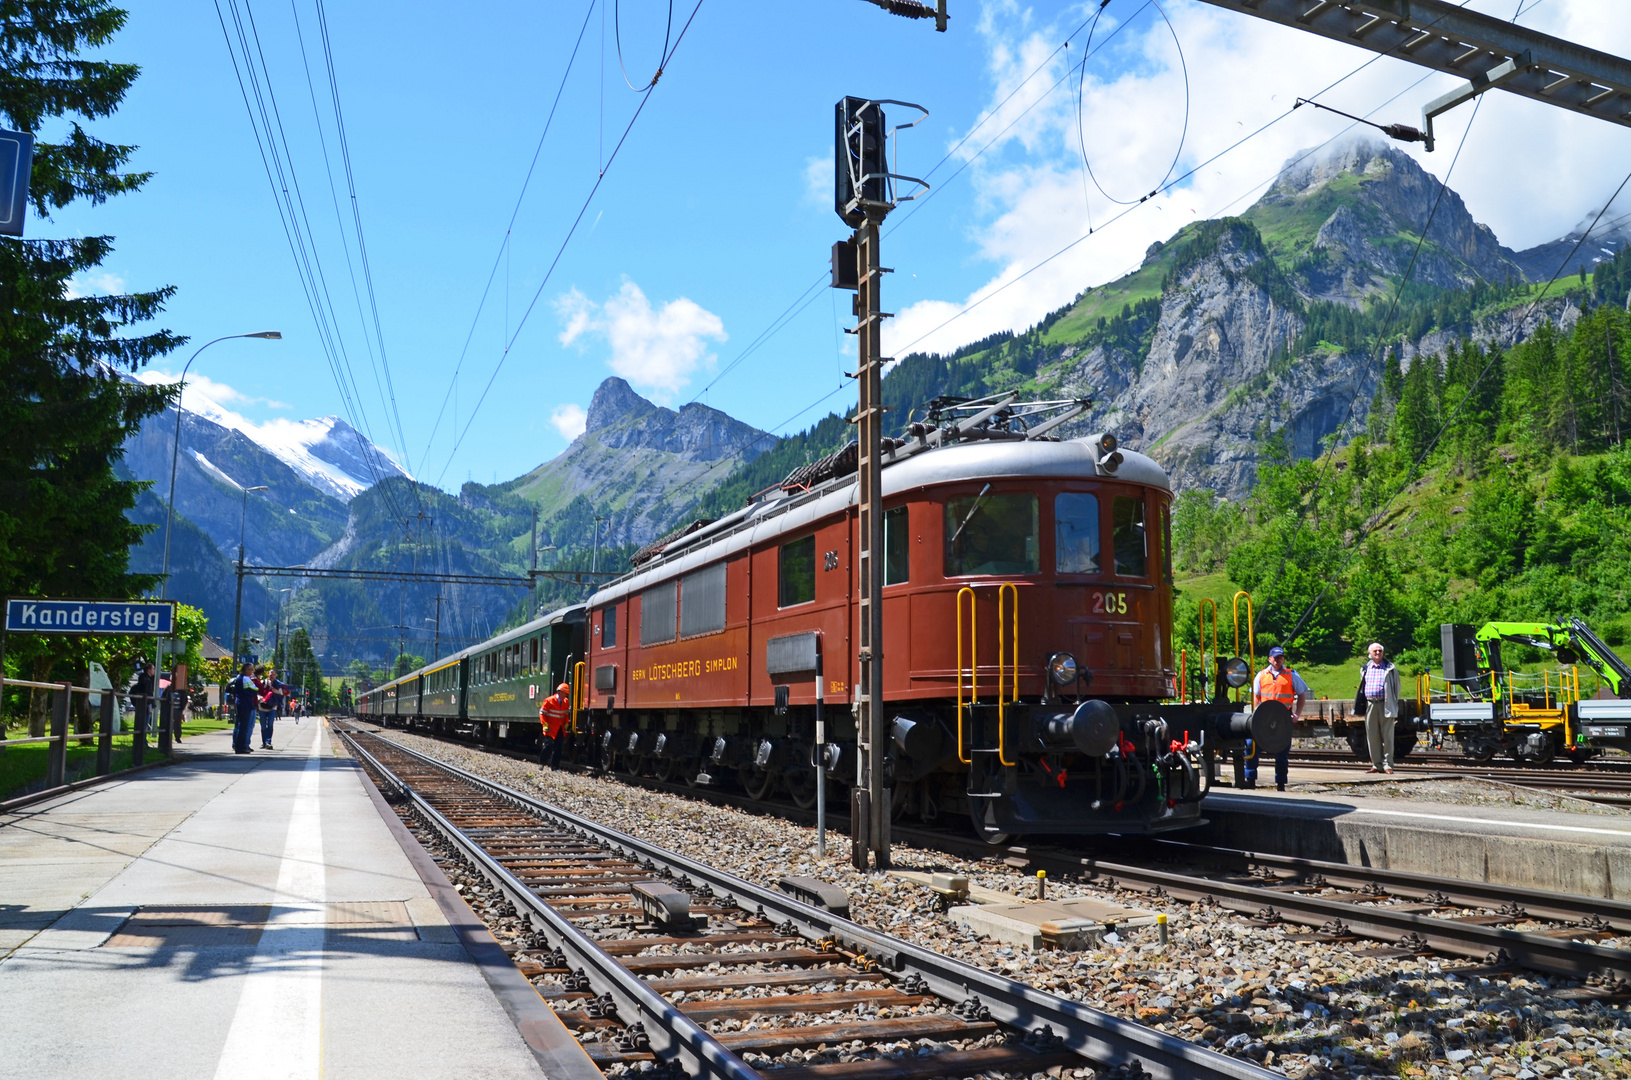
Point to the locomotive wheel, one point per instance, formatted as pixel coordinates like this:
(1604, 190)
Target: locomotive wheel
(666, 768)
(1480, 750)
(801, 787)
(757, 782)
(986, 831)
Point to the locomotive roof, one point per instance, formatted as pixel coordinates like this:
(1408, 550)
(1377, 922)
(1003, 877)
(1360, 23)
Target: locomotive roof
(1067, 459)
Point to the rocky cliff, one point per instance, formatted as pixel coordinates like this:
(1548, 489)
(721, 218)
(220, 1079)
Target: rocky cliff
(639, 464)
(1236, 329)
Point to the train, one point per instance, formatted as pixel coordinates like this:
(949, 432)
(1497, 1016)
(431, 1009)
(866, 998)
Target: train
(1028, 671)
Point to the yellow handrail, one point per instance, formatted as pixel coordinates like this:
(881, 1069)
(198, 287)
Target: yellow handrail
(577, 693)
(1200, 620)
(974, 667)
(1005, 589)
(1251, 632)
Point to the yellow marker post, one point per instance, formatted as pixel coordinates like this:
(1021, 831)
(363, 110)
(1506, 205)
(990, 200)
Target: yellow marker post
(1041, 884)
(1161, 927)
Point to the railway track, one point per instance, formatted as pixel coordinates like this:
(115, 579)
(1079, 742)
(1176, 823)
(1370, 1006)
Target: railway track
(657, 955)
(1499, 928)
(1605, 782)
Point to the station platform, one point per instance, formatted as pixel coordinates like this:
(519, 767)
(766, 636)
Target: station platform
(246, 916)
(1555, 850)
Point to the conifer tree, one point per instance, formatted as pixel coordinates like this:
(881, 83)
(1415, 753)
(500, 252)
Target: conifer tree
(67, 403)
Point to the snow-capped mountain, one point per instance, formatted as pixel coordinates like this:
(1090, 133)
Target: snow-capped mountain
(327, 453)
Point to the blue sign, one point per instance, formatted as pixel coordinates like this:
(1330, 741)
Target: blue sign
(16, 161)
(154, 618)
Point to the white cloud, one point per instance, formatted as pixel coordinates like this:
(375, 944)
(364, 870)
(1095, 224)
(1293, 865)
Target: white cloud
(95, 284)
(569, 420)
(203, 394)
(1530, 171)
(818, 180)
(655, 349)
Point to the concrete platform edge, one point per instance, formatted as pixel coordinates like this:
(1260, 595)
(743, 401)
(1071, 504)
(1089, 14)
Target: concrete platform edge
(23, 801)
(556, 1049)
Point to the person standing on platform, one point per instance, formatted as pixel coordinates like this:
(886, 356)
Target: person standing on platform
(277, 692)
(1379, 684)
(271, 700)
(245, 698)
(1277, 682)
(142, 693)
(553, 714)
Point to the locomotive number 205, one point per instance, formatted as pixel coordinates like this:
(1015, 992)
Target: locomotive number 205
(1109, 603)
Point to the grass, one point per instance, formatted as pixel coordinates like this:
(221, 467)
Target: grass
(22, 768)
(1107, 300)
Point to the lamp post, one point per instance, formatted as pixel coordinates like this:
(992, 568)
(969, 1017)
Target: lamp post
(238, 605)
(175, 455)
(277, 627)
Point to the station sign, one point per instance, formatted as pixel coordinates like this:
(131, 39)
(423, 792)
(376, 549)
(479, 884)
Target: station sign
(16, 162)
(149, 618)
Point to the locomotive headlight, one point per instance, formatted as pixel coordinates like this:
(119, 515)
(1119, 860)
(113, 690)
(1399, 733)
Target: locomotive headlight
(1236, 672)
(1108, 443)
(1062, 669)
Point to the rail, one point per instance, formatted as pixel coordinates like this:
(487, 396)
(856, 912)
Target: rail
(963, 754)
(1122, 1045)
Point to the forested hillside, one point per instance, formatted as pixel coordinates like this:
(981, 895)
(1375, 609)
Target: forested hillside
(1490, 484)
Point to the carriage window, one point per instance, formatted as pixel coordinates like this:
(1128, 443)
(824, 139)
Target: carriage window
(897, 546)
(608, 628)
(533, 666)
(991, 534)
(657, 613)
(1076, 533)
(797, 572)
(1127, 537)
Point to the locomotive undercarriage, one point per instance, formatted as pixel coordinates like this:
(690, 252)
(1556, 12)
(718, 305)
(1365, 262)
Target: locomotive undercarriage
(1086, 768)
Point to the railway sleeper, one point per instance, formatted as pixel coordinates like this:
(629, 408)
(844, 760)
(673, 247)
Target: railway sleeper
(1009, 1027)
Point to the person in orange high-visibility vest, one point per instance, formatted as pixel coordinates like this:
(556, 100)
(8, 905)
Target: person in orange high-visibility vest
(1277, 682)
(553, 714)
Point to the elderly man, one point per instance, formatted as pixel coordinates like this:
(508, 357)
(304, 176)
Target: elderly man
(1379, 683)
(1277, 682)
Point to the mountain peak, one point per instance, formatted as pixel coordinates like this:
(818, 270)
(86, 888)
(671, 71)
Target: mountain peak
(614, 401)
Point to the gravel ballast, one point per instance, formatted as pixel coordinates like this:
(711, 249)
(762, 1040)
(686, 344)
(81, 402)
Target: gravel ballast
(1307, 1009)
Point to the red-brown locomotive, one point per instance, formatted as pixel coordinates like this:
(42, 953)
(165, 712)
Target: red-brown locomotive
(1027, 649)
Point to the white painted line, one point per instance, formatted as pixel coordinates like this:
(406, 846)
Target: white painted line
(277, 1032)
(1348, 808)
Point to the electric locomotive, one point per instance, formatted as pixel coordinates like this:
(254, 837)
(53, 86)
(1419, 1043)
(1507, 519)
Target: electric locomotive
(1027, 657)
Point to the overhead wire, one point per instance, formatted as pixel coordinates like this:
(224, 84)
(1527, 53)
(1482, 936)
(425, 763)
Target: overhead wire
(1183, 134)
(266, 126)
(645, 99)
(617, 32)
(504, 244)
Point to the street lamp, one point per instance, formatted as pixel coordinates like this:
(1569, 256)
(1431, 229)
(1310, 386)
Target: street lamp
(237, 607)
(175, 452)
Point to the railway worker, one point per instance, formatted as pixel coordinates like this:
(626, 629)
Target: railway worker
(553, 713)
(1277, 682)
(1379, 683)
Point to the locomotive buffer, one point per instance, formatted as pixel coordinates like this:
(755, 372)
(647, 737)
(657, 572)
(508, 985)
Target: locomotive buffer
(864, 193)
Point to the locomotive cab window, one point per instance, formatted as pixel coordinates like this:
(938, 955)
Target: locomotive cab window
(991, 534)
(1076, 533)
(897, 547)
(1127, 537)
(797, 573)
(608, 628)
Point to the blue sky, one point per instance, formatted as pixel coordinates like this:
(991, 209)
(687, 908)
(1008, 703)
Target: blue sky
(716, 214)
